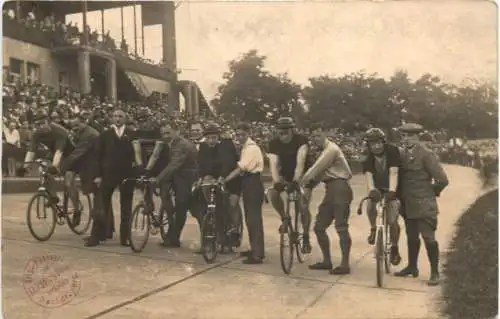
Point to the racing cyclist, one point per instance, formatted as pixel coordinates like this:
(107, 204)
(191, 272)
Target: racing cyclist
(57, 139)
(287, 161)
(381, 167)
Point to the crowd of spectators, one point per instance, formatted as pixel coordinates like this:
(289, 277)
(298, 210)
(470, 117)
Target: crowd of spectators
(61, 33)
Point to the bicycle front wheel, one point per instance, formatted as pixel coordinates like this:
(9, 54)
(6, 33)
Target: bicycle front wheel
(209, 237)
(298, 235)
(387, 255)
(286, 247)
(140, 225)
(80, 224)
(40, 209)
(380, 256)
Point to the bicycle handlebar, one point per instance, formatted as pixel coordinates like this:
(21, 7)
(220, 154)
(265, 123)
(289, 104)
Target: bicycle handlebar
(201, 184)
(139, 180)
(298, 188)
(41, 162)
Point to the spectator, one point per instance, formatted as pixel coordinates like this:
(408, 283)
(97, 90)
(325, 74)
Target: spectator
(12, 147)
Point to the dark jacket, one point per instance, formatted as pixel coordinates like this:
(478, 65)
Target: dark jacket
(217, 161)
(115, 155)
(182, 162)
(84, 152)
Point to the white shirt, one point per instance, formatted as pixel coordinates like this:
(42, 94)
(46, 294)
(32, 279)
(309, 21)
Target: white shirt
(251, 159)
(119, 130)
(12, 137)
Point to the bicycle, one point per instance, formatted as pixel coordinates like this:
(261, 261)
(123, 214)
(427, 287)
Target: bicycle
(382, 250)
(60, 212)
(209, 224)
(292, 233)
(153, 221)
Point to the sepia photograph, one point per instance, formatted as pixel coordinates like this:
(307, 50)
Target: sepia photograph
(250, 159)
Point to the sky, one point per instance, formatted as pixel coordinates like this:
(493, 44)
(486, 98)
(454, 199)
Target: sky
(455, 40)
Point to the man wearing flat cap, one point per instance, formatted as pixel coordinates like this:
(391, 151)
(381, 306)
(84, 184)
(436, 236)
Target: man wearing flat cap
(422, 179)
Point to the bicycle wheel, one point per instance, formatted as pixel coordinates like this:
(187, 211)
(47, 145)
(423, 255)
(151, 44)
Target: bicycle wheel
(140, 222)
(298, 234)
(41, 200)
(209, 237)
(286, 247)
(86, 208)
(379, 256)
(387, 253)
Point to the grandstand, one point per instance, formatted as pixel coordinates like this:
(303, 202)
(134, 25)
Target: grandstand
(39, 46)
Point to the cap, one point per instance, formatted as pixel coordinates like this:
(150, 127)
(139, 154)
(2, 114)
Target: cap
(211, 128)
(374, 134)
(411, 128)
(285, 122)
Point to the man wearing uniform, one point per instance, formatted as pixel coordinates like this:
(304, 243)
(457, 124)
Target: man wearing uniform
(381, 167)
(331, 168)
(422, 180)
(287, 159)
(250, 167)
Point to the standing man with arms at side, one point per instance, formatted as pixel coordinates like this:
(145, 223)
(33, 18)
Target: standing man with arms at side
(381, 169)
(180, 173)
(116, 157)
(423, 179)
(250, 167)
(287, 161)
(331, 168)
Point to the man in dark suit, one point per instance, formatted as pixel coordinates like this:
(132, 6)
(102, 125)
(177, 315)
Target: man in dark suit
(115, 155)
(81, 161)
(179, 174)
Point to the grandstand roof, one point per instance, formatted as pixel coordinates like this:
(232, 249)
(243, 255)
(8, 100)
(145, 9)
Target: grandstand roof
(70, 7)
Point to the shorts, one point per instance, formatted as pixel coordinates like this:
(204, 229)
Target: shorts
(392, 210)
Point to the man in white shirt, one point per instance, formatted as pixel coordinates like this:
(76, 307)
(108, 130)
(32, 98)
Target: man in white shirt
(250, 166)
(333, 170)
(12, 147)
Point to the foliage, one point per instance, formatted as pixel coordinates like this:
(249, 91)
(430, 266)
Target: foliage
(470, 289)
(252, 93)
(357, 100)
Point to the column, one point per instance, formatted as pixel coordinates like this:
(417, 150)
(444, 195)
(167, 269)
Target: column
(169, 53)
(111, 80)
(84, 71)
(196, 99)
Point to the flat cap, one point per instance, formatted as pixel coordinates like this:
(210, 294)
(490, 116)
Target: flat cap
(411, 128)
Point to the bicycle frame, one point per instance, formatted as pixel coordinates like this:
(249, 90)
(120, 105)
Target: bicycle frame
(381, 224)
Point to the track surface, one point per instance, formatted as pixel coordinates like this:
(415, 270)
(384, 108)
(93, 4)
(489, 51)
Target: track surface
(162, 283)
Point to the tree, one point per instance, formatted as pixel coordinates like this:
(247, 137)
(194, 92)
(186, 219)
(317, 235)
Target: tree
(253, 94)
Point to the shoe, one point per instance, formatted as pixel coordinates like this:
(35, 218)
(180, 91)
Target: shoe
(252, 261)
(306, 246)
(395, 257)
(407, 271)
(92, 242)
(125, 243)
(320, 266)
(171, 244)
(371, 237)
(433, 279)
(77, 217)
(247, 253)
(340, 270)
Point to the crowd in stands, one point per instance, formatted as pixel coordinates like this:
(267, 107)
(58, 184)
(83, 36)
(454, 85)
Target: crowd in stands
(61, 33)
(22, 100)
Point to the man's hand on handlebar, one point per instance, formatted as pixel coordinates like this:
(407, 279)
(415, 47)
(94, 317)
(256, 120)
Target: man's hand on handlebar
(390, 195)
(375, 195)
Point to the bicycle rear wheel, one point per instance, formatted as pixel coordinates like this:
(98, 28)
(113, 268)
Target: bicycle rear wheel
(379, 257)
(209, 237)
(286, 247)
(86, 208)
(40, 212)
(140, 222)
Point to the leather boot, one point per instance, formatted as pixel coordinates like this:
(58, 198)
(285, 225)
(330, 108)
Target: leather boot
(433, 254)
(412, 268)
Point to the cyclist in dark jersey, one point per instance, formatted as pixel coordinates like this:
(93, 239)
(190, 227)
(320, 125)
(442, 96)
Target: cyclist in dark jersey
(56, 138)
(146, 144)
(287, 161)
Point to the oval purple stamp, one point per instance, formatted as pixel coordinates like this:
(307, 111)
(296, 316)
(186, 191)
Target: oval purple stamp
(50, 282)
